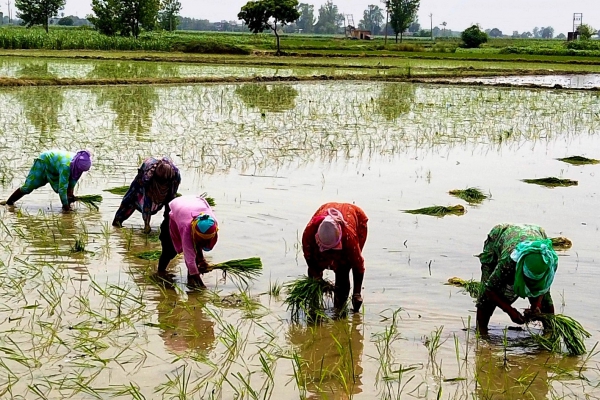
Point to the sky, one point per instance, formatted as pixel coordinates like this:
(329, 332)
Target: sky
(507, 15)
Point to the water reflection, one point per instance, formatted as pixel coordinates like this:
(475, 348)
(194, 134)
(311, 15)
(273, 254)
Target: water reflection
(523, 375)
(274, 98)
(133, 107)
(42, 107)
(124, 70)
(332, 355)
(395, 99)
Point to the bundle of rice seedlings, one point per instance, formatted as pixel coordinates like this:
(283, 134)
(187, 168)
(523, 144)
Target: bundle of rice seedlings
(561, 243)
(244, 270)
(561, 330)
(579, 160)
(119, 190)
(305, 295)
(209, 200)
(472, 287)
(90, 200)
(552, 182)
(471, 195)
(438, 211)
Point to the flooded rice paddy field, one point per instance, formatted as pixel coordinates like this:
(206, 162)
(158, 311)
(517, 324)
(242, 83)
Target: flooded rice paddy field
(95, 324)
(586, 81)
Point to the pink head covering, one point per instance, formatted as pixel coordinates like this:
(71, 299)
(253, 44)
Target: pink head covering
(81, 162)
(329, 233)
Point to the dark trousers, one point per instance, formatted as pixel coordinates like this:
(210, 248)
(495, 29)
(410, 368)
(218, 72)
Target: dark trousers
(168, 250)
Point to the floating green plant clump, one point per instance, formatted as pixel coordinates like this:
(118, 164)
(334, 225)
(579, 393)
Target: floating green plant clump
(471, 195)
(562, 330)
(90, 200)
(579, 160)
(150, 255)
(305, 295)
(552, 182)
(561, 243)
(472, 287)
(438, 211)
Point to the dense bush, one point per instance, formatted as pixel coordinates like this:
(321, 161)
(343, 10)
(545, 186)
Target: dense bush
(584, 45)
(550, 52)
(473, 37)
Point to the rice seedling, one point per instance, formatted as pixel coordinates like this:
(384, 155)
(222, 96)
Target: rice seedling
(561, 330)
(579, 160)
(149, 255)
(305, 296)
(561, 243)
(90, 200)
(552, 182)
(471, 195)
(438, 211)
(472, 287)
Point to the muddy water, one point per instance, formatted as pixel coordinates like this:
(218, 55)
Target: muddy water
(96, 324)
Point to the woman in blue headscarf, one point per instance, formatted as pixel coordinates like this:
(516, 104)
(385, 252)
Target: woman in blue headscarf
(61, 169)
(517, 261)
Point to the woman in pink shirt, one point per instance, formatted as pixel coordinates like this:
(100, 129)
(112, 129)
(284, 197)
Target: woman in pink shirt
(189, 227)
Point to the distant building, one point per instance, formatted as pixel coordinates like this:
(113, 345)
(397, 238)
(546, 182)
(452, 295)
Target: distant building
(360, 34)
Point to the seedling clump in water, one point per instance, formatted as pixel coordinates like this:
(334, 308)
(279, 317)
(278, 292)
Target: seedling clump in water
(552, 182)
(438, 211)
(471, 195)
(579, 160)
(305, 295)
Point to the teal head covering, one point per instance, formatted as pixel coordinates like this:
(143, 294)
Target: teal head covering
(536, 265)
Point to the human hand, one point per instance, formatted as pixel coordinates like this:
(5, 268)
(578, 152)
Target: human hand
(516, 316)
(532, 314)
(203, 266)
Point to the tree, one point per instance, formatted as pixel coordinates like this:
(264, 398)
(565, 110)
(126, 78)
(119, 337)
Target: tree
(260, 15)
(306, 21)
(547, 32)
(586, 31)
(124, 17)
(536, 32)
(38, 12)
(372, 19)
(561, 36)
(414, 27)
(526, 35)
(330, 19)
(168, 17)
(473, 37)
(402, 14)
(496, 33)
(66, 21)
(515, 35)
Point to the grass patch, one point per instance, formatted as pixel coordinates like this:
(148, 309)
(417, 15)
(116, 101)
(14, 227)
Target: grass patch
(552, 182)
(471, 195)
(563, 330)
(305, 296)
(90, 200)
(438, 211)
(579, 160)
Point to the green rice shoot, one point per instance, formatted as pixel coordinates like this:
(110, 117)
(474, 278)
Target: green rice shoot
(472, 287)
(552, 182)
(438, 211)
(306, 296)
(561, 243)
(579, 160)
(471, 195)
(90, 200)
(244, 270)
(562, 331)
(122, 190)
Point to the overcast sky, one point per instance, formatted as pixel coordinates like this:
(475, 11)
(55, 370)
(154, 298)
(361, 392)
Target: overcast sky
(507, 15)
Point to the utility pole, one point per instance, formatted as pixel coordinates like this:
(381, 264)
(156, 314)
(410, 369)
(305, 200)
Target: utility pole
(8, 4)
(431, 22)
(387, 17)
